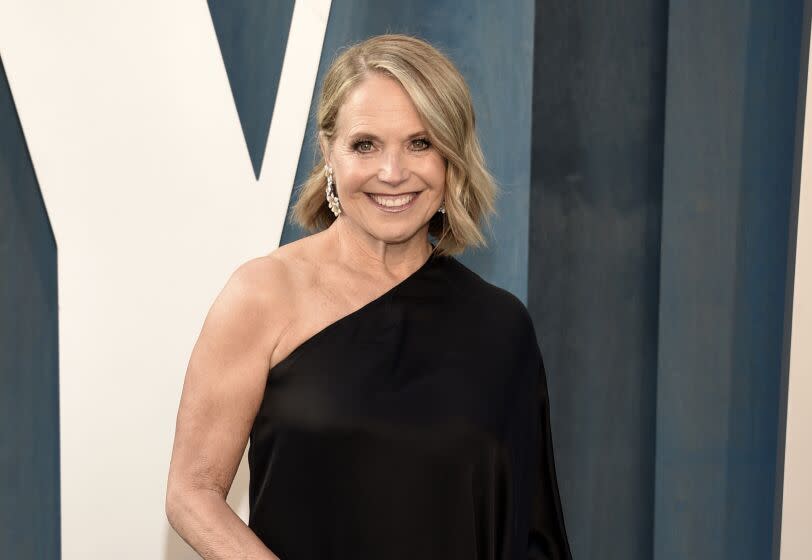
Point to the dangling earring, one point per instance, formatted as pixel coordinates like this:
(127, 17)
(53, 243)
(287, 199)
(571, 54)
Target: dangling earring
(441, 209)
(332, 199)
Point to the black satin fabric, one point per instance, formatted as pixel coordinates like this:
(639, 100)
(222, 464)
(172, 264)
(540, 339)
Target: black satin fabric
(416, 427)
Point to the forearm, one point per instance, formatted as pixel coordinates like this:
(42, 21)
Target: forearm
(206, 522)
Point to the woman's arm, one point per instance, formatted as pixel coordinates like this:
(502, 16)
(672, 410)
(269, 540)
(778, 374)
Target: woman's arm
(222, 391)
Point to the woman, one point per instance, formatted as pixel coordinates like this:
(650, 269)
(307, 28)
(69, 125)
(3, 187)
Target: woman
(395, 402)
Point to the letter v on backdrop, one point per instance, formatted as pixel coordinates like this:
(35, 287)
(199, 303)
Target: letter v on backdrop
(158, 180)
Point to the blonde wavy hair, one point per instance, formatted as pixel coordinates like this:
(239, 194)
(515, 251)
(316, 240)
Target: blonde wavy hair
(443, 101)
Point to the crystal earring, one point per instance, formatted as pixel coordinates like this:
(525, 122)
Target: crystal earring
(332, 198)
(441, 209)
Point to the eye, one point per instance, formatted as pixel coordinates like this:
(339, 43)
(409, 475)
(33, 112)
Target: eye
(421, 144)
(362, 145)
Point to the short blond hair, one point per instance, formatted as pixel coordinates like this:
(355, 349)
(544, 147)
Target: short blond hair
(443, 101)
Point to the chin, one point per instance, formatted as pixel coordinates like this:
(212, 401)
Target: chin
(394, 233)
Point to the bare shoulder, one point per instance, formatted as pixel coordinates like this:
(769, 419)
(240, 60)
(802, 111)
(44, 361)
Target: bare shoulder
(280, 274)
(262, 280)
(262, 290)
(271, 285)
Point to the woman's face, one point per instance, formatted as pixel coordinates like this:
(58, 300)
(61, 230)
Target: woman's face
(389, 178)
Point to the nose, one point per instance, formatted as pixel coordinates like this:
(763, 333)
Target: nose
(392, 170)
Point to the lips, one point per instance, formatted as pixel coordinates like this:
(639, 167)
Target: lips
(393, 203)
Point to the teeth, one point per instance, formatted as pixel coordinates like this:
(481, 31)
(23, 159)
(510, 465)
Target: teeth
(393, 202)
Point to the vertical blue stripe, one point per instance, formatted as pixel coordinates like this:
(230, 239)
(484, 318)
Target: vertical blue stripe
(29, 359)
(730, 132)
(598, 114)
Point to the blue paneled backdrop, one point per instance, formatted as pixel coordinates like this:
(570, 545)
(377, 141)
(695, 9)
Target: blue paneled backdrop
(733, 75)
(663, 151)
(596, 199)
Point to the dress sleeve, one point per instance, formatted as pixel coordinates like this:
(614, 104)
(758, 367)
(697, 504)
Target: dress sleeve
(548, 536)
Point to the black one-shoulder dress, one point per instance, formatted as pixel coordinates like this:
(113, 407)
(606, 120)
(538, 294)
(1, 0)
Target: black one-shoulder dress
(416, 427)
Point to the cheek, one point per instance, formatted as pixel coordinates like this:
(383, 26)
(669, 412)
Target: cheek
(353, 176)
(435, 172)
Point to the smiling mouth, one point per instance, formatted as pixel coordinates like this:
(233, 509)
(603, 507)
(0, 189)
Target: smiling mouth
(393, 203)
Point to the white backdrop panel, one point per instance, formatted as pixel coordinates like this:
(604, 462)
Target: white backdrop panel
(137, 146)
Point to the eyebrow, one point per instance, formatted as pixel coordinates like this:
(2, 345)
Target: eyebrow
(373, 137)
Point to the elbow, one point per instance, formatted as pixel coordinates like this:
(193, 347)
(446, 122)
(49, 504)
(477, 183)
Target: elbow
(174, 504)
(185, 500)
(172, 508)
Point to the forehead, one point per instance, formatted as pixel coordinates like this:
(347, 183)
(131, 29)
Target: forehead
(379, 102)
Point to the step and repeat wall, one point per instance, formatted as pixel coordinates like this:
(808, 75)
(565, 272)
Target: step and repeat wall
(655, 217)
